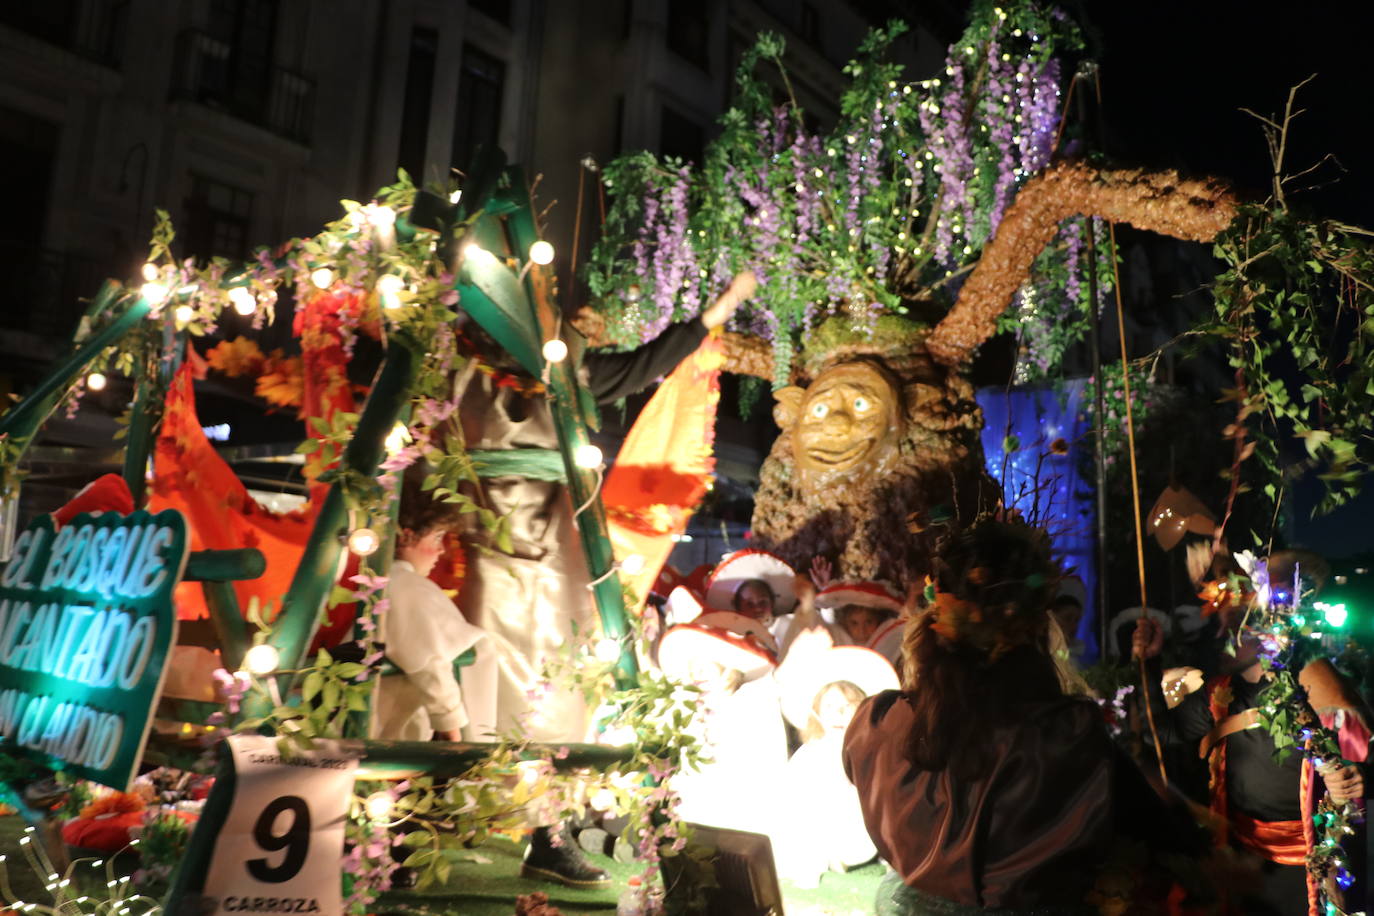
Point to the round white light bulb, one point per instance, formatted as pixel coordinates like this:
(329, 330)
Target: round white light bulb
(555, 351)
(455, 196)
(632, 565)
(378, 806)
(150, 272)
(261, 659)
(607, 650)
(155, 293)
(397, 439)
(381, 216)
(243, 301)
(587, 456)
(390, 283)
(541, 252)
(95, 381)
(364, 542)
(184, 314)
(322, 277)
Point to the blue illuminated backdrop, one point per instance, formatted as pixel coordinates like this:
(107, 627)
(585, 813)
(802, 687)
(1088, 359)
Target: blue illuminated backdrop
(1047, 432)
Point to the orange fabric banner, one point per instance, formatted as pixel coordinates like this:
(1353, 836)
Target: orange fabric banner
(191, 477)
(664, 465)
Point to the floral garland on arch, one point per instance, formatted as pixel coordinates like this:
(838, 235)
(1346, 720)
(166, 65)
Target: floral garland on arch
(883, 214)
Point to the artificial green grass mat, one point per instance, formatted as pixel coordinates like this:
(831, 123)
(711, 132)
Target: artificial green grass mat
(487, 882)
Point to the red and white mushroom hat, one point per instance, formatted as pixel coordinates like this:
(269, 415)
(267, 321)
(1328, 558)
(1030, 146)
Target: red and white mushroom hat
(742, 566)
(724, 638)
(864, 594)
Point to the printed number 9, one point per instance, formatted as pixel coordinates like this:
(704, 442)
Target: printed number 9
(296, 839)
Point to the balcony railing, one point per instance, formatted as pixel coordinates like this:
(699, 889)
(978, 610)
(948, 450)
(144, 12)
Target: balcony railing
(216, 74)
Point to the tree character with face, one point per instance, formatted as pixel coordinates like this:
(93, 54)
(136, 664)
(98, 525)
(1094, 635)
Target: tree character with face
(878, 453)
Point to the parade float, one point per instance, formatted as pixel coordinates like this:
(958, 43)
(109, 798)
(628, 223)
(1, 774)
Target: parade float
(932, 216)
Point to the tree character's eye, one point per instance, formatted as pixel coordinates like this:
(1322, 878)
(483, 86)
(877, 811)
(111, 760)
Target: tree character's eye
(862, 404)
(819, 410)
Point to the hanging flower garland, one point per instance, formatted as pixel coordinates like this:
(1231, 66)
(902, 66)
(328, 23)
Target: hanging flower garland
(882, 215)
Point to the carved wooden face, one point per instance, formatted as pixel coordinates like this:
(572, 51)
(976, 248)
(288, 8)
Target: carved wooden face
(844, 424)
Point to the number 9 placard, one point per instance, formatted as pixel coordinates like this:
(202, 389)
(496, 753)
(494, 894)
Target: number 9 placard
(282, 841)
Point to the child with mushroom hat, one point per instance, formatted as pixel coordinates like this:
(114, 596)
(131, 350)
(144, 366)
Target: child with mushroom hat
(758, 585)
(867, 614)
(820, 827)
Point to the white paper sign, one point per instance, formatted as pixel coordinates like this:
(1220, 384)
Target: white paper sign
(280, 847)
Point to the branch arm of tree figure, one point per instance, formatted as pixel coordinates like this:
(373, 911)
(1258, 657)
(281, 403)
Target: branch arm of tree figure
(1160, 202)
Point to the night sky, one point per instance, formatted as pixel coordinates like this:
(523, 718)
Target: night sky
(1175, 75)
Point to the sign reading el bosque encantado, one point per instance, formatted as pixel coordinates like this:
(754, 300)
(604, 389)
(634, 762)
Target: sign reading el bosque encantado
(86, 624)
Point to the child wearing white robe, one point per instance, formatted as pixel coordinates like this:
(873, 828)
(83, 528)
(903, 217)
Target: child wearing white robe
(424, 632)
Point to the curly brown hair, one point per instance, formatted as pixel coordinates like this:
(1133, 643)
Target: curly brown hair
(420, 512)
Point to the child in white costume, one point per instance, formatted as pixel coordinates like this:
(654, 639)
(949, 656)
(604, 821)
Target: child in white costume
(821, 827)
(727, 655)
(423, 632)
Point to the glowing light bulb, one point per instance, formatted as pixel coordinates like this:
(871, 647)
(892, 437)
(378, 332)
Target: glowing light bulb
(184, 314)
(396, 439)
(378, 806)
(555, 351)
(475, 252)
(390, 283)
(587, 456)
(541, 252)
(602, 800)
(95, 381)
(261, 659)
(150, 272)
(155, 293)
(364, 542)
(322, 277)
(607, 650)
(455, 196)
(633, 292)
(632, 565)
(243, 301)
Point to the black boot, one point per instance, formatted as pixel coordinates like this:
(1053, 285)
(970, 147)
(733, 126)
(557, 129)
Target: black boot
(563, 863)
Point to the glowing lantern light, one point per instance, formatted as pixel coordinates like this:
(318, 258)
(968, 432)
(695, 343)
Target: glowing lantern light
(587, 456)
(261, 659)
(95, 381)
(322, 277)
(378, 806)
(150, 272)
(155, 293)
(541, 252)
(364, 542)
(390, 284)
(243, 301)
(555, 351)
(184, 314)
